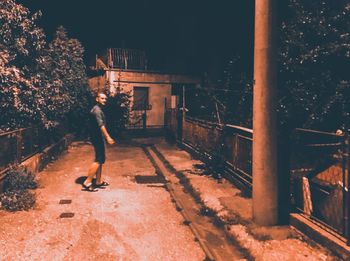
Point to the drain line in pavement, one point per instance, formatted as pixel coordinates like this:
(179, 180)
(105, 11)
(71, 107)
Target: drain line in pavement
(179, 206)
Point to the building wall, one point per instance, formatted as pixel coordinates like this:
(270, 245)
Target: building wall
(159, 84)
(97, 83)
(157, 94)
(154, 77)
(159, 89)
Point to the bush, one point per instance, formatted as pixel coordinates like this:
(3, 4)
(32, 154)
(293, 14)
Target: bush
(16, 184)
(17, 200)
(19, 178)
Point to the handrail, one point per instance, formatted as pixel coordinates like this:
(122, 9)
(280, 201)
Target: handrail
(240, 128)
(13, 131)
(319, 132)
(310, 145)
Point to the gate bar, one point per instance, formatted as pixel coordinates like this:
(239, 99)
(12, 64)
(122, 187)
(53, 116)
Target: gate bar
(346, 191)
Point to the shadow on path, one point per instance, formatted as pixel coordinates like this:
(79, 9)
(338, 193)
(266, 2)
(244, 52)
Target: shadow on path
(80, 180)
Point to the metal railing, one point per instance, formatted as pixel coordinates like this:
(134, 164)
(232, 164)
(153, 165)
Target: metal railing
(232, 143)
(319, 166)
(18, 145)
(241, 140)
(127, 58)
(320, 179)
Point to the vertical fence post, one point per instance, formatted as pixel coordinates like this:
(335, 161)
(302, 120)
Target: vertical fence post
(19, 142)
(165, 113)
(31, 141)
(183, 111)
(346, 194)
(235, 150)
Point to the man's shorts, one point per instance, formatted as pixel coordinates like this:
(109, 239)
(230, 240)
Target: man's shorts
(99, 146)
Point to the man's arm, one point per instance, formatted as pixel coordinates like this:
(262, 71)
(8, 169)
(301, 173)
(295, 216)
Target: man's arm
(106, 135)
(100, 122)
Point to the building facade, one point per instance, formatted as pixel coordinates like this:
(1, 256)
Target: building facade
(152, 93)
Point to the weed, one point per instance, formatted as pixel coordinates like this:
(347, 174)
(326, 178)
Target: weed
(16, 195)
(17, 200)
(19, 178)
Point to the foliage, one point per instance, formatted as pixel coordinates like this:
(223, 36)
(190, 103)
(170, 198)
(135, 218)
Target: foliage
(117, 112)
(17, 196)
(199, 103)
(21, 45)
(17, 200)
(42, 84)
(226, 101)
(216, 163)
(67, 81)
(314, 61)
(19, 178)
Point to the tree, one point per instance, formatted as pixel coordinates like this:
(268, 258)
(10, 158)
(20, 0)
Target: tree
(117, 112)
(314, 63)
(227, 100)
(66, 80)
(21, 45)
(40, 84)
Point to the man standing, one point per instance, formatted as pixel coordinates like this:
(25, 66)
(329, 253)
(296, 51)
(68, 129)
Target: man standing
(98, 132)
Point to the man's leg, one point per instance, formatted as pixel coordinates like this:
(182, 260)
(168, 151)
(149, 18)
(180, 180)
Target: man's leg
(99, 174)
(99, 181)
(93, 170)
(96, 166)
(102, 158)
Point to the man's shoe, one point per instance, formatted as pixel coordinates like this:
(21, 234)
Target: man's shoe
(89, 188)
(103, 184)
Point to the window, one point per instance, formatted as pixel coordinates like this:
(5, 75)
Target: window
(141, 98)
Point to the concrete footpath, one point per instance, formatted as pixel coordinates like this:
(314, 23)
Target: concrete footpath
(233, 211)
(129, 220)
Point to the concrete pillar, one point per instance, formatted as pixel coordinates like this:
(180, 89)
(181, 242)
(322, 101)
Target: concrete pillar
(265, 192)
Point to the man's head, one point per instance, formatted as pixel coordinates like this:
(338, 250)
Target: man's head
(101, 98)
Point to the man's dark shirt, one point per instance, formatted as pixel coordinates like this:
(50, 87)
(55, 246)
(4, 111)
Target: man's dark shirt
(97, 120)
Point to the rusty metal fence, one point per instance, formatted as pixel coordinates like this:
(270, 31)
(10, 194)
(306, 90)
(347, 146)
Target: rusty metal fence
(171, 123)
(239, 142)
(233, 143)
(18, 145)
(319, 167)
(320, 178)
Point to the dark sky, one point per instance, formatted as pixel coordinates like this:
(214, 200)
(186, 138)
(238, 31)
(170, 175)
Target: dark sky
(190, 36)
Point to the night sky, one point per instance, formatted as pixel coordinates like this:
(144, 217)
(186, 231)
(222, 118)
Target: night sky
(188, 36)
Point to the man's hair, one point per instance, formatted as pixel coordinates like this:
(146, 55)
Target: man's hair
(99, 93)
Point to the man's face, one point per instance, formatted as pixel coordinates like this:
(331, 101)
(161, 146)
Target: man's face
(101, 99)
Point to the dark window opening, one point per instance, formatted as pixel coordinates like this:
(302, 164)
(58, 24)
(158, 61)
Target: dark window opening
(141, 101)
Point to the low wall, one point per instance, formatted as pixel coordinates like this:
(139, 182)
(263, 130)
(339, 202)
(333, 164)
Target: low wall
(38, 161)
